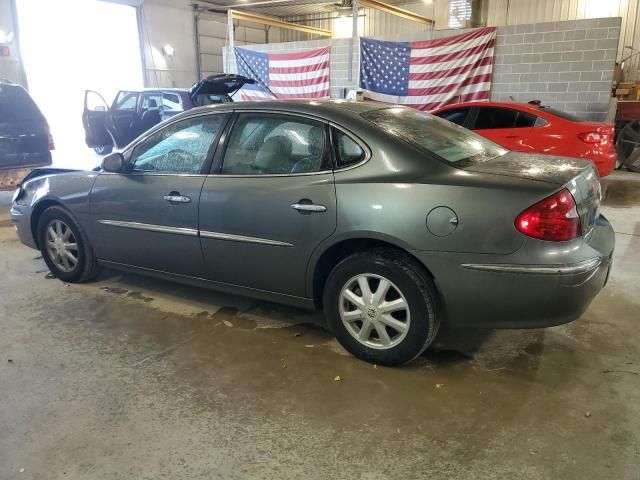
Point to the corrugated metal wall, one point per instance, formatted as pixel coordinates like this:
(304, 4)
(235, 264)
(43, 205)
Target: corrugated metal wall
(514, 12)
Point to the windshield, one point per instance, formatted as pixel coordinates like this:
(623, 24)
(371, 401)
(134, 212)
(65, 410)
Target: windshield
(16, 104)
(447, 141)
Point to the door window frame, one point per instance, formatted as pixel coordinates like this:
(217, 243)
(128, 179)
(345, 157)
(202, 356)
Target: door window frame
(355, 139)
(218, 160)
(210, 154)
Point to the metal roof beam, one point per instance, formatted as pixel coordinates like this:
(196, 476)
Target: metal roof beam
(274, 22)
(393, 10)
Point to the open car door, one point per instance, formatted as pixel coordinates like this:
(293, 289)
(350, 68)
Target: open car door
(223, 86)
(94, 120)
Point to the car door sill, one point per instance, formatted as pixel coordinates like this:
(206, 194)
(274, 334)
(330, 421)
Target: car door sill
(266, 295)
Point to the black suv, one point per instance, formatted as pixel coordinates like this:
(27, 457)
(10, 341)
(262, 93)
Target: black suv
(25, 139)
(134, 112)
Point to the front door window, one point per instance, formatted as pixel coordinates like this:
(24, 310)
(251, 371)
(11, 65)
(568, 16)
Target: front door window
(181, 148)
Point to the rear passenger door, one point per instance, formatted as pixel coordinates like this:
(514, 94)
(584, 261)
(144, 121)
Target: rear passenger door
(506, 126)
(269, 203)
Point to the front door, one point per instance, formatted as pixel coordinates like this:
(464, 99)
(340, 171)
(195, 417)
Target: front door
(123, 118)
(94, 120)
(270, 203)
(148, 216)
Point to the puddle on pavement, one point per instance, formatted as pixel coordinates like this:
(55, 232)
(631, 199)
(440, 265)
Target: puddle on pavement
(621, 193)
(139, 296)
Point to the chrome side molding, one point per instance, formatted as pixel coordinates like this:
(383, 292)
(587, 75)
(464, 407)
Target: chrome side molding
(194, 233)
(151, 228)
(581, 267)
(242, 238)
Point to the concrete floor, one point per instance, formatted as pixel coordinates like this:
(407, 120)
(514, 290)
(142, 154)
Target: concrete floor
(133, 378)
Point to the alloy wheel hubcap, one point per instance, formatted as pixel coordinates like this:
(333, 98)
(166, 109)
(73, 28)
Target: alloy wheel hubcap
(61, 245)
(374, 311)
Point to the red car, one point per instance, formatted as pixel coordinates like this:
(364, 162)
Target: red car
(535, 128)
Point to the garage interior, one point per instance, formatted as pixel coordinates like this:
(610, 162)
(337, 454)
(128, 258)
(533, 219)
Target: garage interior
(133, 377)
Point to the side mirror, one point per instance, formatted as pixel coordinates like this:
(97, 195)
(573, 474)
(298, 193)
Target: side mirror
(114, 162)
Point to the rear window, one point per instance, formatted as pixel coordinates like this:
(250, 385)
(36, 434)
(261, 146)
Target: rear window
(210, 99)
(16, 104)
(447, 141)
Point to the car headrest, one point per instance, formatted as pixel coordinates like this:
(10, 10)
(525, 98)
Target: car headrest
(274, 153)
(152, 103)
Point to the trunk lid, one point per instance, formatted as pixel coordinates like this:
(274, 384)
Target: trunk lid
(222, 84)
(578, 176)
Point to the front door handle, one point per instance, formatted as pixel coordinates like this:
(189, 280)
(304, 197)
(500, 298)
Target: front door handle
(308, 208)
(175, 197)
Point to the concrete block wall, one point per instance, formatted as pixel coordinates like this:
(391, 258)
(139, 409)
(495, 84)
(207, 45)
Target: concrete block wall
(568, 65)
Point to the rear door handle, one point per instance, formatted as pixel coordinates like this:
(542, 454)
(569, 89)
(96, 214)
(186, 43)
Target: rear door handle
(175, 197)
(308, 208)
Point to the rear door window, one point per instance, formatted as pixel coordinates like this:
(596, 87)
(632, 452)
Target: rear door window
(267, 144)
(151, 100)
(171, 102)
(525, 120)
(489, 118)
(455, 115)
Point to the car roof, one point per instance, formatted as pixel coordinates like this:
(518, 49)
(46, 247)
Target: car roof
(301, 106)
(154, 89)
(515, 105)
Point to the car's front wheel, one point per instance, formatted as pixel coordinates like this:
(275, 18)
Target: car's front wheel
(65, 249)
(382, 306)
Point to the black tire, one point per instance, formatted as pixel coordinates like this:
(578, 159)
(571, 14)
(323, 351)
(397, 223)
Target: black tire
(410, 279)
(103, 149)
(87, 266)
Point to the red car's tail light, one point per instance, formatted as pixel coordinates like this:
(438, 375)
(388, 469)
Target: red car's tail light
(52, 145)
(592, 137)
(555, 218)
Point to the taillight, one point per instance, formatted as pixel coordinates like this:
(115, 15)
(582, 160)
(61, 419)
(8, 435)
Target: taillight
(52, 145)
(592, 137)
(555, 218)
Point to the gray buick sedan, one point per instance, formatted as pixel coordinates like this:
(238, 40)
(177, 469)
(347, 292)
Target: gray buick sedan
(392, 220)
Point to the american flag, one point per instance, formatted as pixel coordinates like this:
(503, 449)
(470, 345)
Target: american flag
(429, 74)
(302, 74)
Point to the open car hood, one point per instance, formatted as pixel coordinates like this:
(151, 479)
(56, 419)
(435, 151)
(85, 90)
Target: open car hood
(222, 84)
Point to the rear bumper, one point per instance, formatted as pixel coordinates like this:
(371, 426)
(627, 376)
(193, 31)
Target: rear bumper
(605, 161)
(516, 295)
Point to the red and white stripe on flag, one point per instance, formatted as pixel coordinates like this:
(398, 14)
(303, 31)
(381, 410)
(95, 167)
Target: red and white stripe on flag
(447, 70)
(294, 75)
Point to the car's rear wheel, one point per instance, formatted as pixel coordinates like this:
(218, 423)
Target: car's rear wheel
(103, 149)
(65, 249)
(382, 306)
